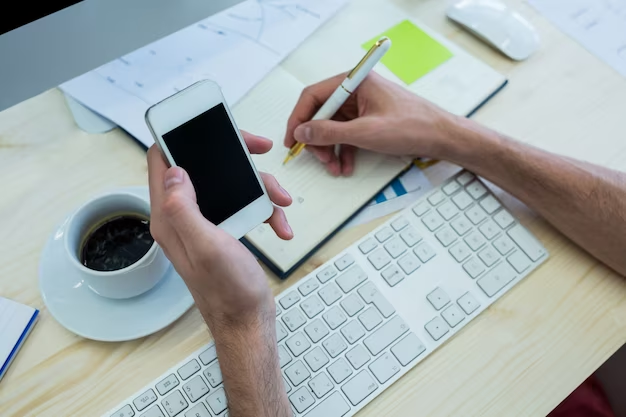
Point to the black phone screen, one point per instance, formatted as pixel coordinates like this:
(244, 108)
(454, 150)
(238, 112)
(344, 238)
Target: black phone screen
(208, 148)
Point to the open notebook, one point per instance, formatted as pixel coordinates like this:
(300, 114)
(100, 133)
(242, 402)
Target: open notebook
(16, 321)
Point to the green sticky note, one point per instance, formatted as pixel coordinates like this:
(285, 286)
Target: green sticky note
(413, 53)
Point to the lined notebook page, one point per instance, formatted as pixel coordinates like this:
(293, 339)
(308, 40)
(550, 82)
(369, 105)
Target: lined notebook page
(321, 202)
(14, 321)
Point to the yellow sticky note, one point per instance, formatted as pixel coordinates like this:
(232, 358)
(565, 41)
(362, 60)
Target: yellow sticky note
(413, 53)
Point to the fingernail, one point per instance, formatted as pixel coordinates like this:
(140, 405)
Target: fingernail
(285, 193)
(173, 176)
(288, 228)
(303, 134)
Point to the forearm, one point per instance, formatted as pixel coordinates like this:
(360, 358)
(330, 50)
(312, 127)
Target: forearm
(585, 202)
(248, 359)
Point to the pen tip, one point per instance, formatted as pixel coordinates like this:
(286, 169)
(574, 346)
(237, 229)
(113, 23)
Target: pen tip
(287, 159)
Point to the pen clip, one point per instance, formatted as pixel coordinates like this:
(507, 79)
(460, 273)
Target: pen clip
(366, 57)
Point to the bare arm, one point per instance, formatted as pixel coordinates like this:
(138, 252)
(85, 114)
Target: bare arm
(586, 202)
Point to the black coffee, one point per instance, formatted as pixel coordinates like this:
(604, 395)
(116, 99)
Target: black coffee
(116, 243)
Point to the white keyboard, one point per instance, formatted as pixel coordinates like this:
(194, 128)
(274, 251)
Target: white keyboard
(363, 319)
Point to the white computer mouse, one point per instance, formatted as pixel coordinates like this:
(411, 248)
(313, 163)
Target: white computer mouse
(498, 25)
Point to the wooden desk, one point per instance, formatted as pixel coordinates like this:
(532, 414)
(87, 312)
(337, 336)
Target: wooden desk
(521, 357)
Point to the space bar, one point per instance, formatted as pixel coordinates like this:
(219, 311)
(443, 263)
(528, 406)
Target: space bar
(333, 406)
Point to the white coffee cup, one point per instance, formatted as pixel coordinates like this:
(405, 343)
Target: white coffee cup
(127, 282)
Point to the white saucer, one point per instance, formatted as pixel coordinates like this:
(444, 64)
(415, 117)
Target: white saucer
(89, 315)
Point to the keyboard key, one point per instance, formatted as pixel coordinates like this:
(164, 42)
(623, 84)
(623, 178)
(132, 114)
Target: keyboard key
(326, 274)
(281, 333)
(424, 251)
(474, 267)
(465, 178)
(503, 218)
(312, 306)
(475, 240)
(350, 279)
(298, 344)
(195, 388)
(168, 384)
(399, 223)
(358, 356)
(447, 210)
(437, 328)
(460, 251)
(370, 294)
(316, 359)
(490, 204)
(476, 189)
(174, 403)
(519, 261)
(436, 198)
(353, 331)
(476, 214)
(218, 401)
(333, 406)
(334, 345)
(384, 234)
(379, 259)
(433, 221)
(395, 247)
(339, 370)
(527, 242)
(410, 236)
(503, 244)
(344, 262)
(468, 303)
(451, 188)
(287, 386)
(496, 279)
(461, 225)
(208, 356)
(213, 374)
(289, 300)
(408, 349)
(392, 275)
(189, 369)
(367, 246)
(297, 373)
(385, 367)
(352, 304)
(462, 200)
(126, 411)
(453, 315)
(489, 229)
(385, 335)
(370, 318)
(294, 319)
(283, 356)
(438, 298)
(278, 310)
(316, 330)
(489, 256)
(334, 318)
(302, 399)
(446, 236)
(330, 293)
(308, 286)
(359, 387)
(321, 385)
(421, 209)
(199, 410)
(409, 263)
(156, 412)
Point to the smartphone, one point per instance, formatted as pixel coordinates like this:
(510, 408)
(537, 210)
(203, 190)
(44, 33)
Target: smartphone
(195, 130)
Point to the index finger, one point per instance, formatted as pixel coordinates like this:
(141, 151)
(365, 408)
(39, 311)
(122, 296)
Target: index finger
(309, 102)
(156, 172)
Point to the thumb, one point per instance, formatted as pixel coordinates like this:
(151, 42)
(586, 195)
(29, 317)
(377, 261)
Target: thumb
(179, 203)
(331, 132)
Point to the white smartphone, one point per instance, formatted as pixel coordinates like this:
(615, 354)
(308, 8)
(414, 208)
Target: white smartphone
(195, 130)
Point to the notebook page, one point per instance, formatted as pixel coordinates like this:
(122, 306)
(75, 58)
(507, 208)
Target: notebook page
(321, 202)
(14, 319)
(458, 85)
